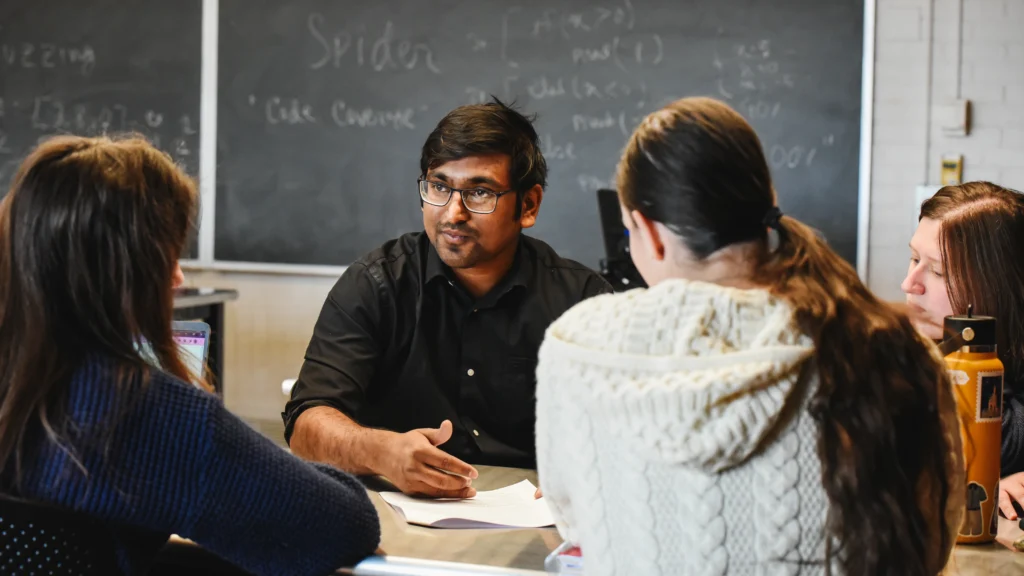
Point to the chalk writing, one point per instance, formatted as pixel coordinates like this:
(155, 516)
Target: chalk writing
(614, 48)
(590, 183)
(476, 43)
(655, 57)
(553, 151)
(153, 119)
(760, 49)
(584, 122)
(180, 147)
(345, 117)
(793, 157)
(572, 24)
(578, 87)
(542, 88)
(759, 109)
(186, 125)
(587, 122)
(590, 20)
(29, 55)
(476, 95)
(585, 90)
(288, 111)
(47, 114)
(295, 112)
(758, 73)
(504, 36)
(605, 51)
(384, 52)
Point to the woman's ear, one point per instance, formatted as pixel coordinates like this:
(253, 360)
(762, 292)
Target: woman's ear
(649, 235)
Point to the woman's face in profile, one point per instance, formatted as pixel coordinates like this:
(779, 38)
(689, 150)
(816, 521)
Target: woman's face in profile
(925, 284)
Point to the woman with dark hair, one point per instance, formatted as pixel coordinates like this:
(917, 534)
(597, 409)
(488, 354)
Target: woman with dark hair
(757, 408)
(90, 236)
(968, 250)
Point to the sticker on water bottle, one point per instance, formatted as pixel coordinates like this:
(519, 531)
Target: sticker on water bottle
(973, 523)
(959, 377)
(990, 397)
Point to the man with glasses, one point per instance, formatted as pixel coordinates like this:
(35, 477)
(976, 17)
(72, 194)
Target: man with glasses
(423, 358)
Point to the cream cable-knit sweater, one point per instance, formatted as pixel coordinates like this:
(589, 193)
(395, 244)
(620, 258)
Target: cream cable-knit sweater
(673, 436)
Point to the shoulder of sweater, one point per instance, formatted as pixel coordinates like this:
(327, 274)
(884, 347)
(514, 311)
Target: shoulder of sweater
(665, 294)
(166, 385)
(654, 318)
(90, 378)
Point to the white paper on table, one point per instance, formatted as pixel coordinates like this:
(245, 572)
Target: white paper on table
(509, 507)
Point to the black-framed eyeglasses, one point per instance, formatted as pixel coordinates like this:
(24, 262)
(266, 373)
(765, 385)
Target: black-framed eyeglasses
(476, 200)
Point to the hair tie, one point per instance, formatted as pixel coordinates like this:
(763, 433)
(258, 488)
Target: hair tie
(776, 232)
(772, 217)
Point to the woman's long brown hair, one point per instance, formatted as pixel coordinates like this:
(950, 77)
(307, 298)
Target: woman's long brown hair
(981, 239)
(698, 167)
(90, 234)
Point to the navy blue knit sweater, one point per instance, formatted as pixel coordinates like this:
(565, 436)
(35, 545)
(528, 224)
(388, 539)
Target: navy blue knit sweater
(178, 462)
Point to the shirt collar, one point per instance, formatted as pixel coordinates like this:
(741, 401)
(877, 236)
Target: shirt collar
(519, 275)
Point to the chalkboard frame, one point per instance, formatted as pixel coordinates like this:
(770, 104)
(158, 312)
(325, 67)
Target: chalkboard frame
(208, 159)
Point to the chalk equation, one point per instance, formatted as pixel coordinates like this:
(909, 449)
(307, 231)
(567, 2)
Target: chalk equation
(47, 115)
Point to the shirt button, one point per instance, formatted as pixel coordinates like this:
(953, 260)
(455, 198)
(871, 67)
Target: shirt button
(470, 372)
(475, 433)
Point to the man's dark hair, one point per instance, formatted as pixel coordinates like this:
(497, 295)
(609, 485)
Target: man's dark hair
(491, 128)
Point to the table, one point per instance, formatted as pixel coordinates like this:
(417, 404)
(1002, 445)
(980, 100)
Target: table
(513, 551)
(207, 305)
(480, 552)
(985, 559)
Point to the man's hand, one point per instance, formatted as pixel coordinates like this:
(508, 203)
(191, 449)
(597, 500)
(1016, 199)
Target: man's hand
(1011, 490)
(416, 466)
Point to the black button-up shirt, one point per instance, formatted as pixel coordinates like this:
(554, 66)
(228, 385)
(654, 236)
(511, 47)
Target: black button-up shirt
(401, 345)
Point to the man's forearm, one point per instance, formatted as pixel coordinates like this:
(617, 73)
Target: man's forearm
(323, 434)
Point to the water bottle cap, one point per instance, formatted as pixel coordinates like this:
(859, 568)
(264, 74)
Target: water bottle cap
(975, 330)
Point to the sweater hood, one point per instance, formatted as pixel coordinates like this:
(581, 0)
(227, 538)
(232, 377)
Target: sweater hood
(697, 374)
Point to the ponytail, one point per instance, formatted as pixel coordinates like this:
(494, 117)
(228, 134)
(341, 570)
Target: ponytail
(885, 456)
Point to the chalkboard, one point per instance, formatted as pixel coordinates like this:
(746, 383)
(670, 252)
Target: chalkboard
(100, 66)
(323, 107)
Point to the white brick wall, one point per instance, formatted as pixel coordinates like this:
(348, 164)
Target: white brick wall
(901, 23)
(908, 143)
(982, 12)
(900, 138)
(1013, 139)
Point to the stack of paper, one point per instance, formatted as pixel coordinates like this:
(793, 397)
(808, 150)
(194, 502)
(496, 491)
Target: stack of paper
(510, 507)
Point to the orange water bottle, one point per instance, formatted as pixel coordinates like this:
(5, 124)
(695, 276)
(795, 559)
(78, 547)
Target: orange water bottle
(977, 375)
